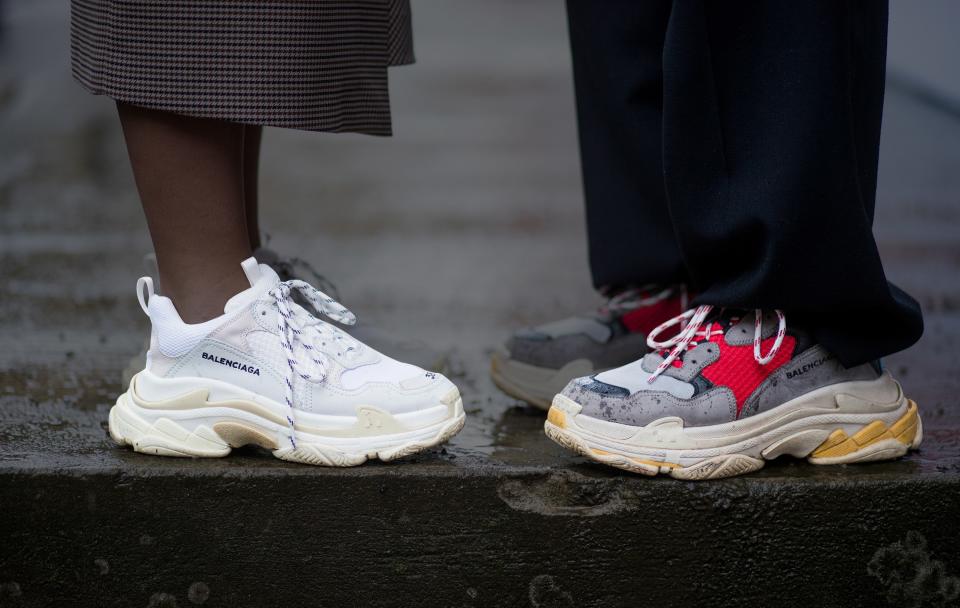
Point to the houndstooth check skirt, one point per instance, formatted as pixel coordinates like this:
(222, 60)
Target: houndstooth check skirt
(318, 65)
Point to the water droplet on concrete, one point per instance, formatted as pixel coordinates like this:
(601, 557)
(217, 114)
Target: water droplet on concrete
(198, 593)
(545, 593)
(103, 565)
(10, 590)
(162, 600)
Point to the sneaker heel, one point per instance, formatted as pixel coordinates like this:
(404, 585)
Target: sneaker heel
(162, 437)
(875, 441)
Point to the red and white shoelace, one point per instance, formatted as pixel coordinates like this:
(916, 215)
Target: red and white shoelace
(290, 333)
(645, 295)
(691, 322)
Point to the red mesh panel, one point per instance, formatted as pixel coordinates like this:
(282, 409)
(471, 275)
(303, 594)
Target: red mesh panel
(738, 370)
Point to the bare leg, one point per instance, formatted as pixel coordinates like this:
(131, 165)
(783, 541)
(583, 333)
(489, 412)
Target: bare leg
(189, 172)
(252, 136)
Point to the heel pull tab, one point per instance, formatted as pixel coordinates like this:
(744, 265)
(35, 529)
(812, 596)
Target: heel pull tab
(251, 268)
(144, 299)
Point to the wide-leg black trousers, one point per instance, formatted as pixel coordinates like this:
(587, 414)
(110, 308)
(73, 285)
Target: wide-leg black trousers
(733, 146)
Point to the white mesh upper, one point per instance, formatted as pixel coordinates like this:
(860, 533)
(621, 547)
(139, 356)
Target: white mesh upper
(384, 370)
(634, 378)
(174, 337)
(266, 347)
(349, 374)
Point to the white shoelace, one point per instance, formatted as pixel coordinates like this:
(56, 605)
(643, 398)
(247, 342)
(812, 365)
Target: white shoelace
(691, 321)
(326, 285)
(289, 333)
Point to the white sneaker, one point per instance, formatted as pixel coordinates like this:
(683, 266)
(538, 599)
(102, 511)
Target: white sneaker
(287, 268)
(268, 373)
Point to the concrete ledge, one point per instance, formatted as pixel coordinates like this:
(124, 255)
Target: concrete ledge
(102, 526)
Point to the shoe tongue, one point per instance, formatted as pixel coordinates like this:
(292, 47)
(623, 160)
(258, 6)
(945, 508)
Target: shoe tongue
(724, 322)
(262, 278)
(723, 318)
(727, 318)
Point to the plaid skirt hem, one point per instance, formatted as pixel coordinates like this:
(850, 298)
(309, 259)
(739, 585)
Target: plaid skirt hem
(317, 65)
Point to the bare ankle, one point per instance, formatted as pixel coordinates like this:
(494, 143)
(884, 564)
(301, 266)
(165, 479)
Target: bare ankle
(198, 297)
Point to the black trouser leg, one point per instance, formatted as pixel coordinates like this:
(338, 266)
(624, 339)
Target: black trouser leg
(769, 123)
(617, 47)
(771, 133)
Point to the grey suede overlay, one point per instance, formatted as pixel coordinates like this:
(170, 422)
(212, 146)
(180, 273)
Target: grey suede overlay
(812, 369)
(554, 353)
(715, 406)
(693, 362)
(705, 353)
(741, 332)
(806, 371)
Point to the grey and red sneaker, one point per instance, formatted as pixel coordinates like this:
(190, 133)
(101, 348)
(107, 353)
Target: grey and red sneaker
(728, 393)
(538, 362)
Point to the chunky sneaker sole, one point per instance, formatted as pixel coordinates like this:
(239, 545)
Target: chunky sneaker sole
(206, 418)
(535, 385)
(850, 422)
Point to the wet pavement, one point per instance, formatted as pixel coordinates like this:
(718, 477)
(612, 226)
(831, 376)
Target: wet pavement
(465, 225)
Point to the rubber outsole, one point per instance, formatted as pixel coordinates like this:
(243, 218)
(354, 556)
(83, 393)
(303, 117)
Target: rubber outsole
(535, 385)
(874, 441)
(166, 437)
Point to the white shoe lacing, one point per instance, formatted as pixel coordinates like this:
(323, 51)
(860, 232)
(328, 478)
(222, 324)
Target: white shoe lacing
(691, 321)
(290, 333)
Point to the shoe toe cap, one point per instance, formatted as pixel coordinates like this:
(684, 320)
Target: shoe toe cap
(427, 389)
(588, 387)
(599, 399)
